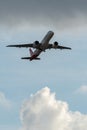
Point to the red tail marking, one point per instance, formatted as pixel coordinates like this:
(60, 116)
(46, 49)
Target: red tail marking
(31, 52)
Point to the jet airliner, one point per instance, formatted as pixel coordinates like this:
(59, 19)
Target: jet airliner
(40, 46)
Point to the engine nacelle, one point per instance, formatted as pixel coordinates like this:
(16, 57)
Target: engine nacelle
(55, 45)
(36, 44)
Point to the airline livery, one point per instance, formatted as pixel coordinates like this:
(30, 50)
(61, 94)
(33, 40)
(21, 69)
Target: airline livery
(40, 46)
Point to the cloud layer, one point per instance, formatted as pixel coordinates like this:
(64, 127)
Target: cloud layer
(57, 13)
(82, 90)
(42, 111)
(4, 102)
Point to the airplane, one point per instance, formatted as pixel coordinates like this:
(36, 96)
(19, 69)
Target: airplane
(40, 46)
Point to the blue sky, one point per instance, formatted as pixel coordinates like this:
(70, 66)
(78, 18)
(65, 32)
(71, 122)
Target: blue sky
(63, 71)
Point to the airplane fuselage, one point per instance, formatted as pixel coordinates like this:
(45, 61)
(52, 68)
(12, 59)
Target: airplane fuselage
(44, 44)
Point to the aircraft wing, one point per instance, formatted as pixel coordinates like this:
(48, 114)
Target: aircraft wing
(63, 47)
(50, 46)
(21, 45)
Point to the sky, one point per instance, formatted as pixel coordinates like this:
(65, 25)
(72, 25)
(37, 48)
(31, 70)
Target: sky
(35, 94)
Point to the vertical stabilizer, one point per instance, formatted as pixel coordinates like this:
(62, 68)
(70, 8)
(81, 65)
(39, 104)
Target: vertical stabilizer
(31, 52)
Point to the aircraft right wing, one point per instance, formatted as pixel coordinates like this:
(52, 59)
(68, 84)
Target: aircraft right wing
(21, 45)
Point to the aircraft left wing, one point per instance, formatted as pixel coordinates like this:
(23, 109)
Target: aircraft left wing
(55, 46)
(21, 45)
(63, 47)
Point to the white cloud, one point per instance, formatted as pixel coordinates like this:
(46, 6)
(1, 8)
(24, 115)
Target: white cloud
(42, 111)
(82, 90)
(4, 102)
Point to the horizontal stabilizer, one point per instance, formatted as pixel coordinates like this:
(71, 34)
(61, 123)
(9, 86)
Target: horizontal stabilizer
(29, 58)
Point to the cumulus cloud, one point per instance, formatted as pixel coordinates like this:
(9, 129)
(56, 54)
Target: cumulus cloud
(57, 13)
(43, 111)
(82, 90)
(4, 102)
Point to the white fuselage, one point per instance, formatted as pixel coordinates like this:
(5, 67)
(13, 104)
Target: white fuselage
(44, 44)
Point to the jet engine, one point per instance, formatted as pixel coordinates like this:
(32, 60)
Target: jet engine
(36, 44)
(55, 45)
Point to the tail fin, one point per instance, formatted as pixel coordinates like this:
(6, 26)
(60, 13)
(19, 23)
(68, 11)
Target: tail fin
(31, 52)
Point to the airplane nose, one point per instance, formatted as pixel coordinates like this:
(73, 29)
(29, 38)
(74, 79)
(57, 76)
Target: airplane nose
(51, 32)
